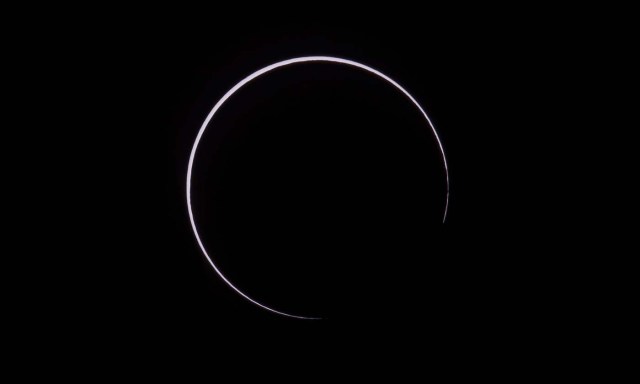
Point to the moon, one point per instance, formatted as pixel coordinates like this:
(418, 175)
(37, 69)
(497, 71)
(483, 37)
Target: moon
(242, 83)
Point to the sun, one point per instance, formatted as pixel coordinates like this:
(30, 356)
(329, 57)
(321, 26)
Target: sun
(242, 83)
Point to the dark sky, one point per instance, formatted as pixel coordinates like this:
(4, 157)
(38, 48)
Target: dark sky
(320, 192)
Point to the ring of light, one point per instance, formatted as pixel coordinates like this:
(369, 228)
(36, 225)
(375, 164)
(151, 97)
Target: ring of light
(234, 90)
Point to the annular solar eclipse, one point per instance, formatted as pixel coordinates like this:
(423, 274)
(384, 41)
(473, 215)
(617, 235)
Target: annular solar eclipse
(243, 82)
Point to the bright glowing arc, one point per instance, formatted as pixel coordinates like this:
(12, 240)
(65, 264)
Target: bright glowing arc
(240, 85)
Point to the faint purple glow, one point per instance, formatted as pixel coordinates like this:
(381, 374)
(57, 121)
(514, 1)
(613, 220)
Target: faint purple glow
(236, 88)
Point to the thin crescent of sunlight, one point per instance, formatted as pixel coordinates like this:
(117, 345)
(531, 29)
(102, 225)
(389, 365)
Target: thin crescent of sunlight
(240, 85)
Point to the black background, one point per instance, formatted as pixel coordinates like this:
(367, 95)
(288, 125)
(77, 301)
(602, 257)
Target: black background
(354, 236)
